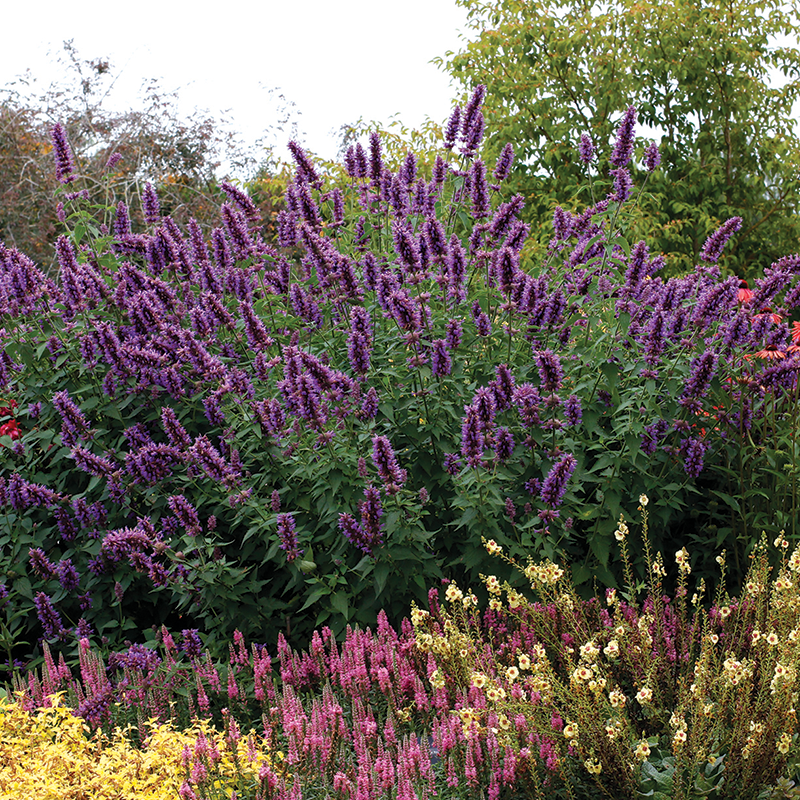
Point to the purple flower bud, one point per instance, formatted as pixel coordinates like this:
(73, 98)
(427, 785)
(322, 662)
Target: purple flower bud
(473, 442)
(586, 149)
(68, 576)
(693, 452)
(472, 122)
(150, 204)
(62, 153)
(385, 461)
(452, 128)
(49, 617)
(623, 147)
(504, 163)
(652, 157)
(622, 184)
(479, 191)
(185, 513)
(703, 369)
(288, 537)
(712, 249)
(555, 484)
(41, 564)
(306, 173)
(241, 200)
(550, 372)
(503, 444)
(455, 334)
(369, 408)
(375, 159)
(441, 363)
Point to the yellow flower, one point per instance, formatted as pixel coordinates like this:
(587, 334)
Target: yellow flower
(642, 750)
(453, 593)
(593, 766)
(570, 730)
(512, 673)
(611, 649)
(784, 743)
(679, 737)
(479, 680)
(495, 604)
(616, 698)
(524, 661)
(493, 548)
(644, 695)
(643, 500)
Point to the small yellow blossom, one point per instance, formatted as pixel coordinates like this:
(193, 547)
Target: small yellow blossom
(495, 604)
(611, 597)
(611, 649)
(616, 698)
(725, 612)
(453, 593)
(644, 695)
(773, 639)
(479, 680)
(493, 548)
(642, 750)
(589, 650)
(679, 737)
(512, 673)
(643, 500)
(524, 661)
(492, 585)
(570, 730)
(784, 743)
(436, 679)
(593, 766)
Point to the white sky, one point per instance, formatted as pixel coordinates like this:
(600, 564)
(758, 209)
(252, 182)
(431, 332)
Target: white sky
(336, 60)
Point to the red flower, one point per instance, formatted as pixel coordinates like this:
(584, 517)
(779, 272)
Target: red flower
(11, 429)
(8, 410)
(744, 295)
(796, 332)
(770, 352)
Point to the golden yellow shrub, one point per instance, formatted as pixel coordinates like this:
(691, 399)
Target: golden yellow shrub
(52, 755)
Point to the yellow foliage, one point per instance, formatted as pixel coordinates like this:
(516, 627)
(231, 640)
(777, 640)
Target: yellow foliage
(52, 755)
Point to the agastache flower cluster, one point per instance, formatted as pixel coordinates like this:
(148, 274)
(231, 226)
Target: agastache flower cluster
(396, 319)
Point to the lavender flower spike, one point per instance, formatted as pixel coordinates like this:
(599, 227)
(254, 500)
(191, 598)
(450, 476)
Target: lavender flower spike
(65, 167)
(586, 149)
(623, 147)
(712, 249)
(652, 157)
(555, 484)
(386, 462)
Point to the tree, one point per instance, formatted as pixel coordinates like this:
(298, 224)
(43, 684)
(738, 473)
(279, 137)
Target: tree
(117, 154)
(703, 77)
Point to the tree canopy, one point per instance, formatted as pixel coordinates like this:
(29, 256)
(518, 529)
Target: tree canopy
(710, 80)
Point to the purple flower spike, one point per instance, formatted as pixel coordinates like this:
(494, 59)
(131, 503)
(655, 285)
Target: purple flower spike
(652, 157)
(65, 167)
(386, 462)
(550, 372)
(586, 149)
(504, 163)
(49, 617)
(452, 128)
(712, 249)
(555, 484)
(623, 147)
(288, 537)
(150, 204)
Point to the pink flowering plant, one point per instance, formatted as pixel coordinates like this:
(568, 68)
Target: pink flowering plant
(220, 430)
(656, 696)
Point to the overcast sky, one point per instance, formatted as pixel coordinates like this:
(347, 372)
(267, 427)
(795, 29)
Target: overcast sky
(336, 60)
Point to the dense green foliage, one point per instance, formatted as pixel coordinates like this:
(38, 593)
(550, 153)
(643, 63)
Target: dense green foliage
(712, 79)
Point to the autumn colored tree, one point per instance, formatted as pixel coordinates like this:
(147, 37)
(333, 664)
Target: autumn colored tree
(117, 154)
(709, 79)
